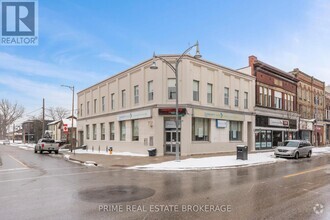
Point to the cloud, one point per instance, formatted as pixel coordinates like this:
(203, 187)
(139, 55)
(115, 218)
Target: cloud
(32, 67)
(114, 59)
(306, 47)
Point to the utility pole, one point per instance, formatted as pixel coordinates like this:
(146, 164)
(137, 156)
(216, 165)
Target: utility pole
(13, 133)
(43, 117)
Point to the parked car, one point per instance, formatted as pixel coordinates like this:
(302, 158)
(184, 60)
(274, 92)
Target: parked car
(294, 149)
(46, 144)
(6, 142)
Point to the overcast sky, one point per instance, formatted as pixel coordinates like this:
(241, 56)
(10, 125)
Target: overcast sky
(84, 42)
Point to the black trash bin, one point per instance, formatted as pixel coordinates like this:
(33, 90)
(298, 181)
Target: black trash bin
(242, 152)
(152, 152)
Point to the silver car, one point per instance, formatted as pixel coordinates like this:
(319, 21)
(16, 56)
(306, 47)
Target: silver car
(294, 149)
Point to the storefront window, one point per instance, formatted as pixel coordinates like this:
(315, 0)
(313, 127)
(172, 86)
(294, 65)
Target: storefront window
(94, 131)
(135, 127)
(122, 130)
(112, 130)
(235, 132)
(263, 139)
(102, 131)
(200, 129)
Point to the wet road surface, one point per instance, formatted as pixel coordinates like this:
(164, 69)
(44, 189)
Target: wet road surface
(34, 186)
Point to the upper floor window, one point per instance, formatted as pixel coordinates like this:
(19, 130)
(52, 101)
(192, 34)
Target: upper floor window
(209, 93)
(123, 98)
(286, 102)
(171, 89)
(265, 96)
(278, 100)
(246, 100)
(95, 103)
(87, 110)
(226, 96)
(195, 90)
(261, 91)
(136, 94)
(269, 98)
(150, 91)
(236, 98)
(112, 101)
(103, 103)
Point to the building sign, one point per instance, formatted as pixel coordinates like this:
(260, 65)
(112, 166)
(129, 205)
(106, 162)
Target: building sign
(218, 115)
(220, 123)
(306, 125)
(278, 122)
(171, 124)
(65, 128)
(172, 111)
(134, 115)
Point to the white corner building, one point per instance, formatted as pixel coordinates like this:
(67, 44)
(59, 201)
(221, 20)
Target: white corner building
(134, 110)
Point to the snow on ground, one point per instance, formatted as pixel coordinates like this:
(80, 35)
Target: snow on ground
(222, 162)
(23, 146)
(81, 151)
(320, 150)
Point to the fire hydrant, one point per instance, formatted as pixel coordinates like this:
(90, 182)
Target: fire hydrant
(110, 150)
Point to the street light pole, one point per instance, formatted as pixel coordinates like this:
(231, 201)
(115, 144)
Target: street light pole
(176, 72)
(72, 113)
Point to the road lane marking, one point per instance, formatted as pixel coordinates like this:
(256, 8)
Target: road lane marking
(306, 171)
(18, 161)
(13, 169)
(41, 177)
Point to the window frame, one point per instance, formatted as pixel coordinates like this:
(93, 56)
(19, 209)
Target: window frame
(196, 92)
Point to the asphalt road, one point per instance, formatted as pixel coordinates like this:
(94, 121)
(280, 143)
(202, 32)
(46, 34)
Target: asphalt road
(34, 186)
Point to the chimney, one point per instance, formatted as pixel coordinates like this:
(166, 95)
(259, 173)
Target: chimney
(252, 59)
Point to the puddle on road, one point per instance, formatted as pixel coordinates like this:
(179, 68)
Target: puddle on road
(115, 194)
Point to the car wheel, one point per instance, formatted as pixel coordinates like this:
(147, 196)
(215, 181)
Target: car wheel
(40, 151)
(296, 156)
(35, 151)
(56, 152)
(309, 154)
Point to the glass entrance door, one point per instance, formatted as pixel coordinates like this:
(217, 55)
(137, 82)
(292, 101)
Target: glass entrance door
(170, 141)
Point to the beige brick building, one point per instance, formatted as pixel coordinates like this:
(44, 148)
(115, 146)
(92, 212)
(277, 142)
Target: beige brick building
(134, 110)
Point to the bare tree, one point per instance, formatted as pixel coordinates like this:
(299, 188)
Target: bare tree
(9, 113)
(57, 113)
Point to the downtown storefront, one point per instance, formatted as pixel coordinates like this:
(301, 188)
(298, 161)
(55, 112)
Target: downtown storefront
(271, 132)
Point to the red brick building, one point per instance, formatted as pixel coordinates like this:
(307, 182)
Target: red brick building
(276, 104)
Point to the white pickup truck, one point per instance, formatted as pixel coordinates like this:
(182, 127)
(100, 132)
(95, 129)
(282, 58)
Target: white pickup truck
(46, 144)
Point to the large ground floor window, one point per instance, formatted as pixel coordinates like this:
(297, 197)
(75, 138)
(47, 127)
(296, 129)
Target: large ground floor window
(122, 126)
(200, 129)
(263, 139)
(235, 130)
(135, 130)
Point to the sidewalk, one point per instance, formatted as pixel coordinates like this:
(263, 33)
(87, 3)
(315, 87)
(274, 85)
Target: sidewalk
(121, 160)
(195, 162)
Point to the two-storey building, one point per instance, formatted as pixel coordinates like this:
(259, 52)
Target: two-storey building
(135, 110)
(275, 106)
(310, 107)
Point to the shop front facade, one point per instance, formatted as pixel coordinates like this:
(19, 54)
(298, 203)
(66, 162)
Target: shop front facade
(306, 129)
(272, 131)
(134, 111)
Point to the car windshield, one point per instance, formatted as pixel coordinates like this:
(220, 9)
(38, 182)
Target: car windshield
(291, 144)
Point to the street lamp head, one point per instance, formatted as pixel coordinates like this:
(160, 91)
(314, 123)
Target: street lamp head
(154, 65)
(198, 54)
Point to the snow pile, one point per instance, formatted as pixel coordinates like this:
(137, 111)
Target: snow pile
(67, 156)
(81, 151)
(320, 150)
(90, 164)
(209, 163)
(23, 146)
